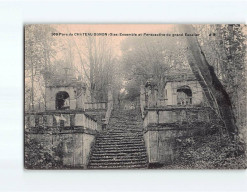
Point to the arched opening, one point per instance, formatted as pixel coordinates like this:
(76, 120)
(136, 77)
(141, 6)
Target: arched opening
(184, 95)
(62, 101)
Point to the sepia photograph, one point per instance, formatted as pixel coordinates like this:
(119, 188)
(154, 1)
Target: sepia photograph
(135, 96)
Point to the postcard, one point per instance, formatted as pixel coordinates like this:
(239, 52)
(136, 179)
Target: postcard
(135, 96)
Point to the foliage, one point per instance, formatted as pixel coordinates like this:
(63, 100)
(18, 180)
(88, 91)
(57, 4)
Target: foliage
(152, 57)
(225, 49)
(97, 55)
(132, 90)
(40, 155)
(39, 49)
(142, 58)
(211, 151)
(146, 57)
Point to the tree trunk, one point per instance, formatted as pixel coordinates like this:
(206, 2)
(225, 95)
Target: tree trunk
(212, 87)
(92, 69)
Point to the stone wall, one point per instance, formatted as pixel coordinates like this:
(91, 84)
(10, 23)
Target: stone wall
(171, 92)
(176, 114)
(163, 127)
(73, 145)
(150, 95)
(51, 92)
(61, 119)
(99, 115)
(65, 135)
(76, 100)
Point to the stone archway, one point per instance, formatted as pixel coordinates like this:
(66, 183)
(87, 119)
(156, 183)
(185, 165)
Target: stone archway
(62, 100)
(184, 95)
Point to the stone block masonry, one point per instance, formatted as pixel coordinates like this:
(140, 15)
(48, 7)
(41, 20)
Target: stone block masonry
(59, 139)
(163, 127)
(121, 144)
(71, 148)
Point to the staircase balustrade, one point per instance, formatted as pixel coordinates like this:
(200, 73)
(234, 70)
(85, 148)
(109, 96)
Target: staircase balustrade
(61, 119)
(176, 114)
(95, 105)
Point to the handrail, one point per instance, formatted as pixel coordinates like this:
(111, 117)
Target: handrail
(108, 112)
(95, 105)
(69, 119)
(95, 102)
(176, 114)
(177, 107)
(47, 112)
(142, 101)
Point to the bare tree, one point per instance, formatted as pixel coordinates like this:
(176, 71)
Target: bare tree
(213, 89)
(96, 53)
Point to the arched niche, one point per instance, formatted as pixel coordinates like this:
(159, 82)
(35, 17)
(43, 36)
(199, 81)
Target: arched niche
(62, 100)
(184, 95)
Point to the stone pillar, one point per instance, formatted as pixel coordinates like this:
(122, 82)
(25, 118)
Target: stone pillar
(110, 96)
(153, 97)
(151, 87)
(162, 101)
(142, 94)
(142, 99)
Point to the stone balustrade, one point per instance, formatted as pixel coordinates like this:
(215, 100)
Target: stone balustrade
(176, 114)
(163, 126)
(61, 119)
(95, 105)
(74, 129)
(108, 112)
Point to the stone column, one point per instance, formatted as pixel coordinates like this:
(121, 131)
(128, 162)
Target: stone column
(151, 86)
(153, 96)
(142, 99)
(110, 96)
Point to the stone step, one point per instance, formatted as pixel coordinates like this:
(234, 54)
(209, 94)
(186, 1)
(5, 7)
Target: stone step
(118, 142)
(125, 133)
(124, 139)
(121, 145)
(100, 144)
(114, 136)
(115, 143)
(125, 164)
(120, 137)
(125, 119)
(125, 129)
(116, 157)
(122, 149)
(117, 167)
(112, 160)
(127, 123)
(129, 120)
(119, 131)
(124, 126)
(119, 155)
(118, 163)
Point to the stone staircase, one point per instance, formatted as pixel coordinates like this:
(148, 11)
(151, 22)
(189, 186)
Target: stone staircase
(121, 145)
